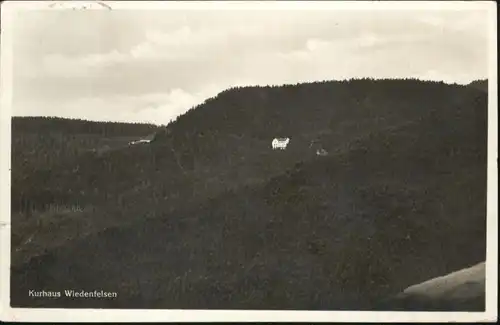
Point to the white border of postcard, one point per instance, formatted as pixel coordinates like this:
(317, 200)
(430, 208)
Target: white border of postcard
(7, 313)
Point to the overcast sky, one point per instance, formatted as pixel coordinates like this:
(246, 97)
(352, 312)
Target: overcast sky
(152, 65)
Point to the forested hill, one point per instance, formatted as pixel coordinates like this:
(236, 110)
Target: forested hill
(209, 216)
(46, 144)
(263, 112)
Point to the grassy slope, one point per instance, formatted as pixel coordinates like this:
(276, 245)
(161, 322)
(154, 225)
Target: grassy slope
(462, 290)
(41, 143)
(396, 202)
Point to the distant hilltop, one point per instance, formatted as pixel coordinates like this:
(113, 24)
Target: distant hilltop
(480, 84)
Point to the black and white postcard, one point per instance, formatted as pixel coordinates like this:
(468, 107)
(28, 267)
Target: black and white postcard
(249, 161)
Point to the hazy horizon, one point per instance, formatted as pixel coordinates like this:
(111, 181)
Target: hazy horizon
(152, 66)
(164, 124)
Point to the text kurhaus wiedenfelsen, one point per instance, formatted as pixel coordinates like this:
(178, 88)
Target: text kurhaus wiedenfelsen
(72, 294)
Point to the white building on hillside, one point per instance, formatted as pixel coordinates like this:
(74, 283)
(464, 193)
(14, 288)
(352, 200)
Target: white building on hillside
(280, 143)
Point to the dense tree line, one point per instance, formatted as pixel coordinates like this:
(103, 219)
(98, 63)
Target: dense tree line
(68, 127)
(41, 141)
(228, 132)
(267, 111)
(41, 145)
